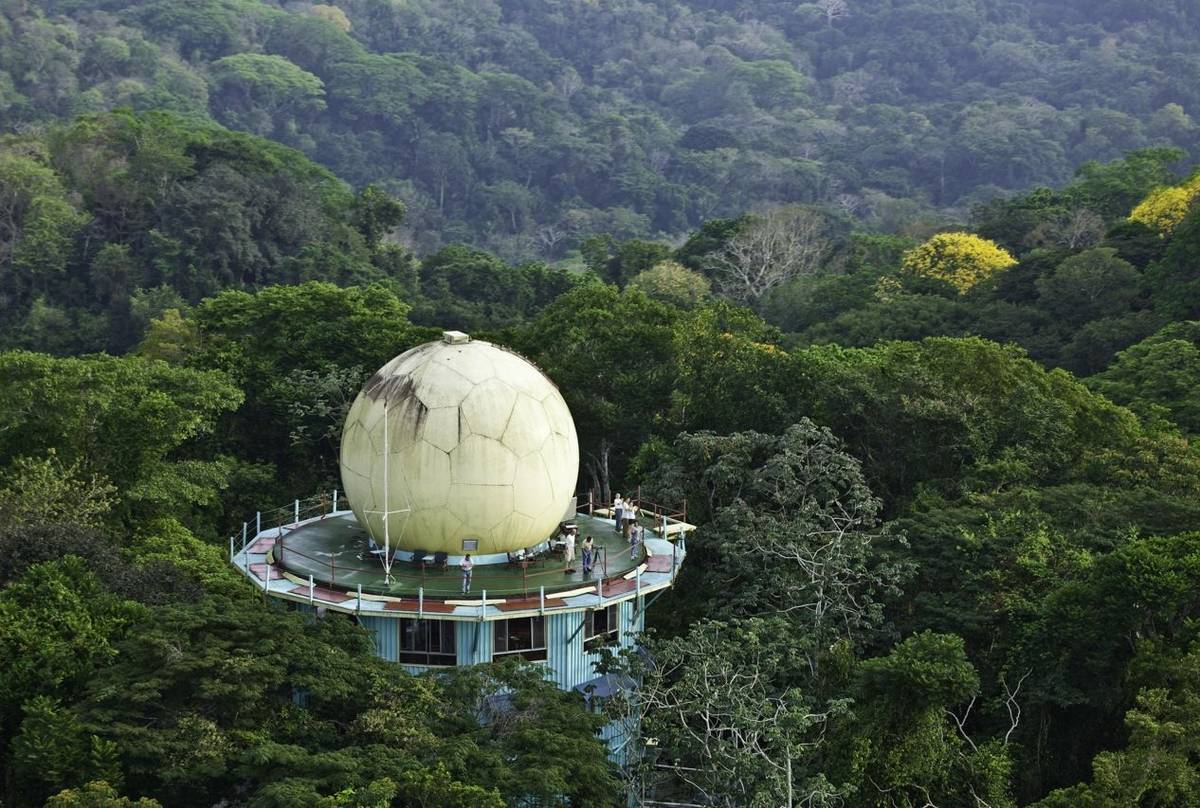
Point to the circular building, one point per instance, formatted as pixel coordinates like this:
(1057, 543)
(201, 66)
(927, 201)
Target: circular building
(459, 446)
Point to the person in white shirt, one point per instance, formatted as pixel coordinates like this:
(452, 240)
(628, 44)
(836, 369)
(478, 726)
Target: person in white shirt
(618, 512)
(466, 566)
(569, 548)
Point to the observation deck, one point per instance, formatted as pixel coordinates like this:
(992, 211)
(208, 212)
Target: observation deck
(317, 554)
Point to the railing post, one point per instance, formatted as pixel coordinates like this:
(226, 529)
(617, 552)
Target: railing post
(638, 588)
(231, 549)
(332, 571)
(358, 605)
(483, 608)
(420, 601)
(335, 496)
(245, 530)
(257, 523)
(542, 607)
(600, 588)
(311, 594)
(296, 511)
(591, 501)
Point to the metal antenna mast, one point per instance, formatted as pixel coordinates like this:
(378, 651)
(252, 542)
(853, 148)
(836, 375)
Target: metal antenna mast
(387, 512)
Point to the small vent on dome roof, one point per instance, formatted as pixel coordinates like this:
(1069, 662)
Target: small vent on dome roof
(455, 337)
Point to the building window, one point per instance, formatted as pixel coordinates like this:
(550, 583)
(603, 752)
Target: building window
(427, 642)
(603, 627)
(523, 637)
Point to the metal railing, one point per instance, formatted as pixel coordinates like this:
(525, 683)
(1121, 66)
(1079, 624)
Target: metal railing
(283, 518)
(644, 507)
(286, 518)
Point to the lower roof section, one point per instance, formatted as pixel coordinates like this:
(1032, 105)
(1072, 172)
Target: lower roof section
(326, 562)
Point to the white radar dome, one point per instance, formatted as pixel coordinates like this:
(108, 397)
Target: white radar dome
(478, 451)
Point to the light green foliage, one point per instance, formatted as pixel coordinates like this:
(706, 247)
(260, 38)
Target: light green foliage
(97, 794)
(44, 490)
(37, 225)
(125, 418)
(169, 337)
(672, 282)
(166, 541)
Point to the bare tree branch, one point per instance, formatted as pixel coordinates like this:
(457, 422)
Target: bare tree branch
(787, 243)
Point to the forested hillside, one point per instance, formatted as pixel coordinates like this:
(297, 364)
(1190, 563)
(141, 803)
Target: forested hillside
(526, 125)
(902, 297)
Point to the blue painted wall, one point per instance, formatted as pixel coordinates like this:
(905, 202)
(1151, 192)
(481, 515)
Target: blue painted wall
(474, 641)
(385, 633)
(567, 664)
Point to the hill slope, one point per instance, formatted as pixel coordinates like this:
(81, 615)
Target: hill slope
(525, 125)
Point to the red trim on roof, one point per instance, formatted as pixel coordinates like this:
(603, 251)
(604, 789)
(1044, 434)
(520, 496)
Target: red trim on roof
(411, 605)
(261, 571)
(321, 593)
(525, 604)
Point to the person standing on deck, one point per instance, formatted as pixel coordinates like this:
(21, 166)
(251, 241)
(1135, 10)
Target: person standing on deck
(466, 566)
(588, 555)
(569, 548)
(618, 512)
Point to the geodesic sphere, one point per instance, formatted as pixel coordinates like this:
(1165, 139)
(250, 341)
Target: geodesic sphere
(479, 445)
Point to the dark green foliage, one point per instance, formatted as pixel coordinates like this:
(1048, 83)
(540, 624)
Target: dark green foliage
(531, 125)
(127, 419)
(929, 571)
(1157, 377)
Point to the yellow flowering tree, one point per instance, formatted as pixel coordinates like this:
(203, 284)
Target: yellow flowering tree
(960, 259)
(1165, 208)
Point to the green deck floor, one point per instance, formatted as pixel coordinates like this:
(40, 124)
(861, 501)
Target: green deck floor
(334, 552)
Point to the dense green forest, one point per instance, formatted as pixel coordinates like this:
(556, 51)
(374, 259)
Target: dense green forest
(902, 297)
(525, 126)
